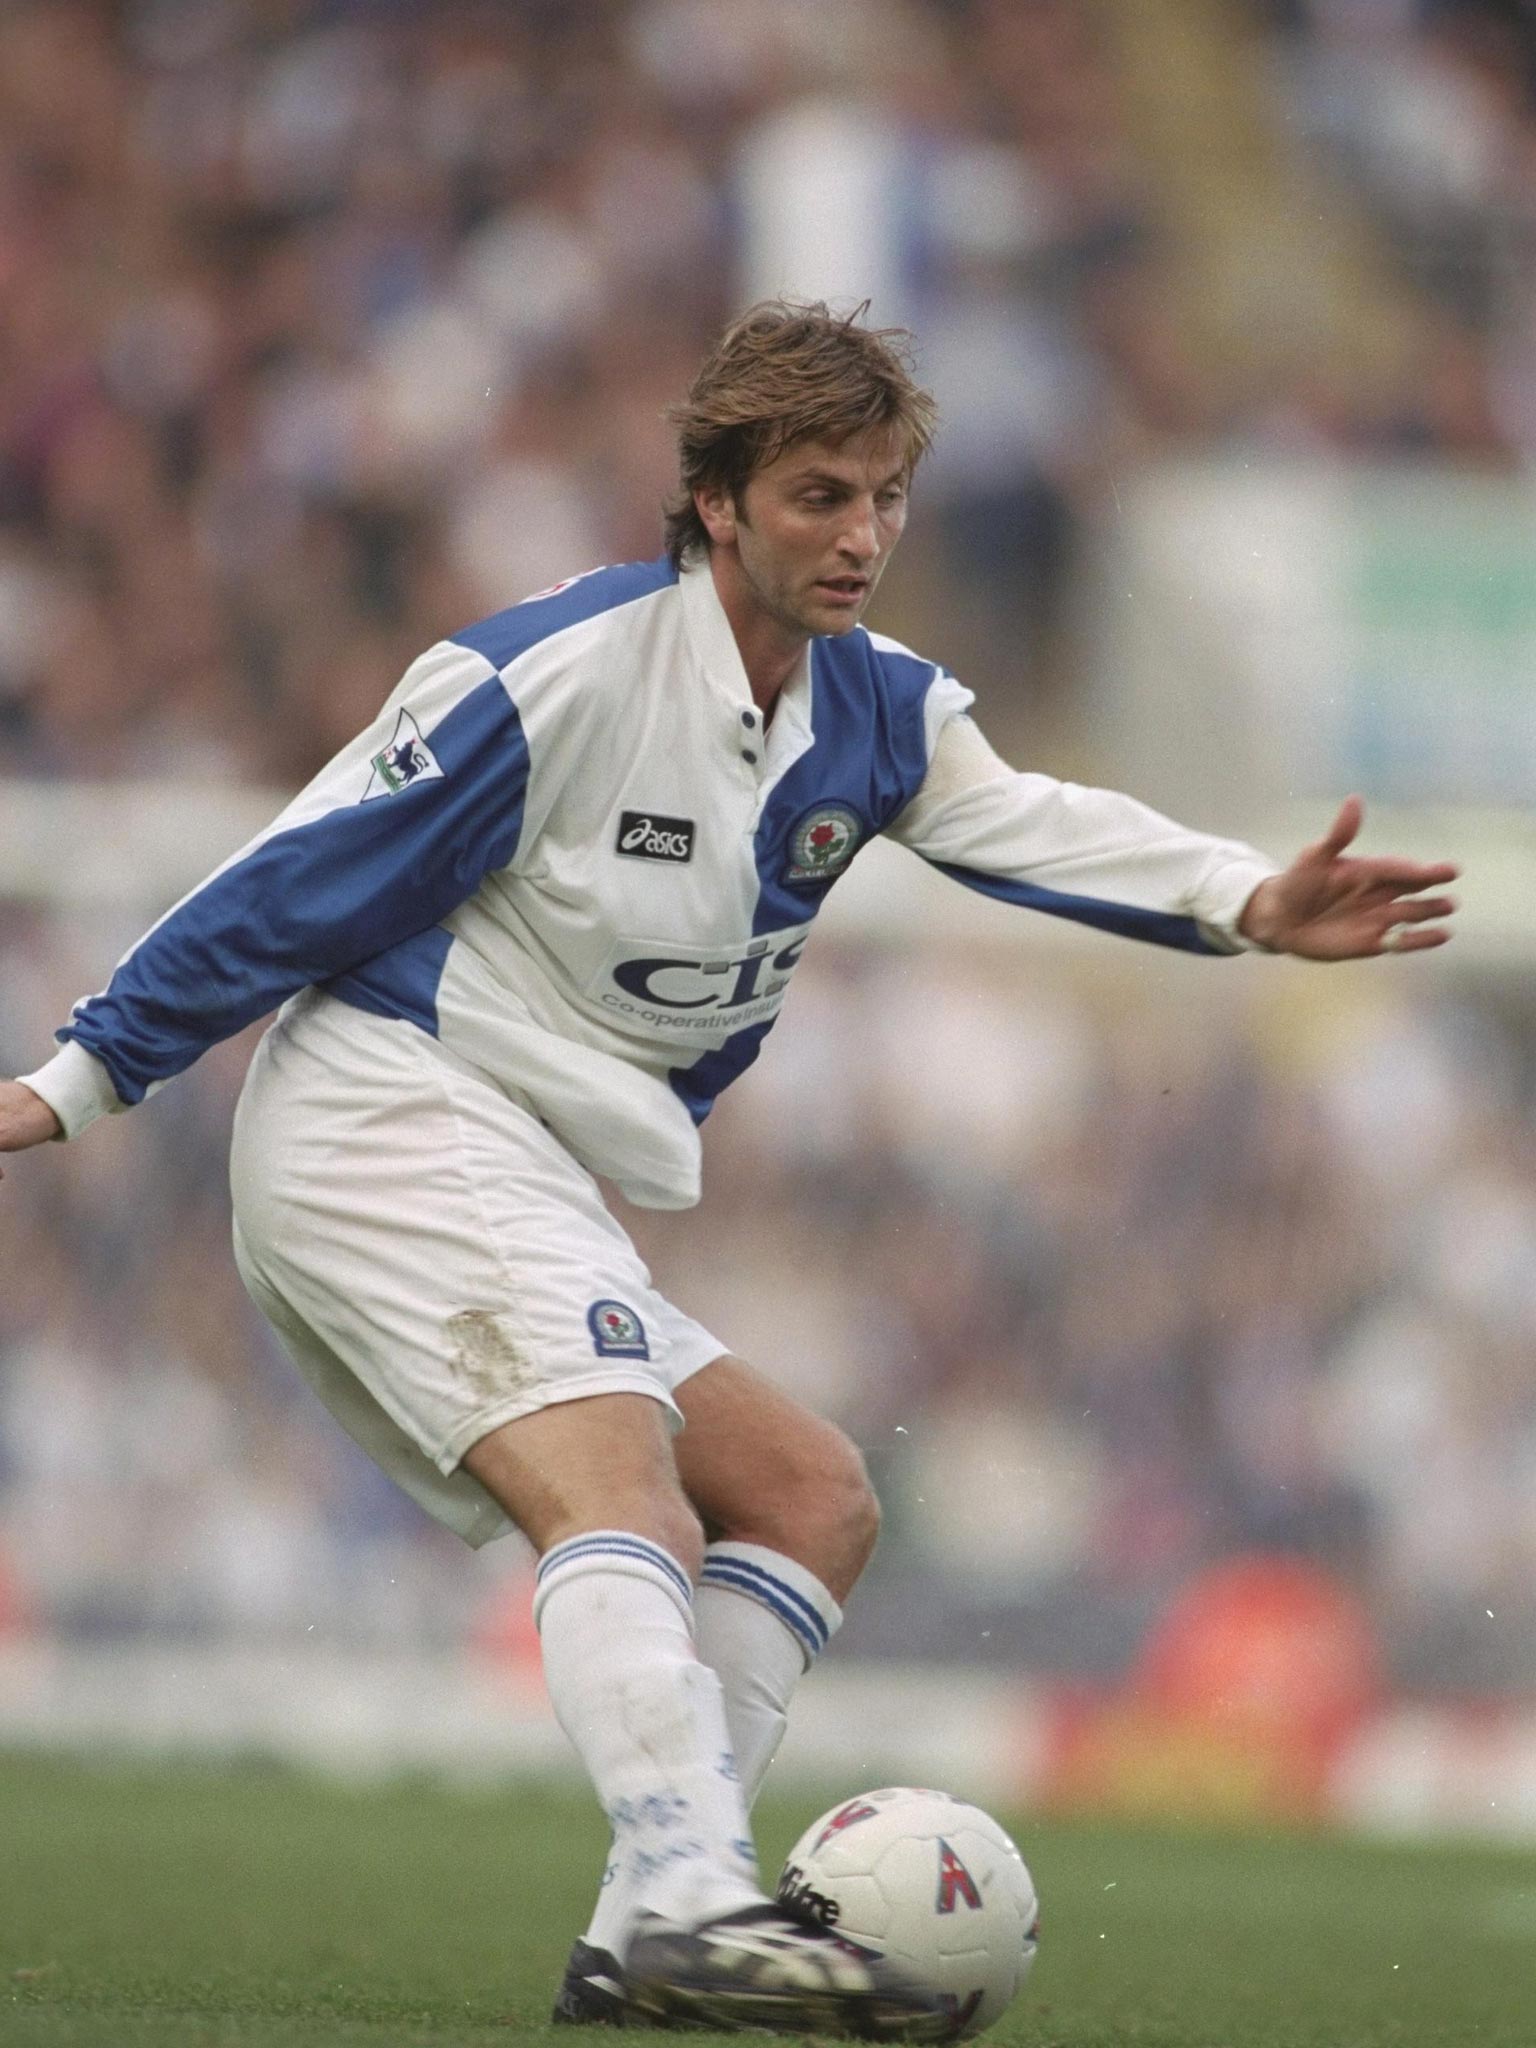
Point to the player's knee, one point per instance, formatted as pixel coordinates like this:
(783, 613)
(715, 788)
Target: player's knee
(858, 1509)
(834, 1509)
(685, 1536)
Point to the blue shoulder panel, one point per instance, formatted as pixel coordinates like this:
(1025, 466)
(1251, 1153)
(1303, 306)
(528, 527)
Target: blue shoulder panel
(400, 983)
(868, 759)
(317, 900)
(504, 636)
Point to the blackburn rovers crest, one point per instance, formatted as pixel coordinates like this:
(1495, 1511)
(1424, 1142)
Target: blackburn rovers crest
(823, 842)
(617, 1332)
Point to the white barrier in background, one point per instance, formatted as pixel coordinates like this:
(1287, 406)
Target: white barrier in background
(367, 1714)
(1409, 1771)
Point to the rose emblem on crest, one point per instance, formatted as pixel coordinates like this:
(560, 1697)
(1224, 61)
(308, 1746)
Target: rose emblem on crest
(617, 1332)
(823, 842)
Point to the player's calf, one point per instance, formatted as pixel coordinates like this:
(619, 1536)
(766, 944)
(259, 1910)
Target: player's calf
(762, 1469)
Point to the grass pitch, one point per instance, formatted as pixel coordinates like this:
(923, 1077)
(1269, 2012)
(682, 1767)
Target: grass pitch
(253, 1909)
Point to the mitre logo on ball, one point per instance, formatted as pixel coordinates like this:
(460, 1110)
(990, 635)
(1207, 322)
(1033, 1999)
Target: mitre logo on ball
(823, 842)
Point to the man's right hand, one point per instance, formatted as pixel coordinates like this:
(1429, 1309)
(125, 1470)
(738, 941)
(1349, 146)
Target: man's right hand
(25, 1119)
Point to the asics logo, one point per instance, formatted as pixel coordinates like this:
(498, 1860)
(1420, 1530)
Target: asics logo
(645, 835)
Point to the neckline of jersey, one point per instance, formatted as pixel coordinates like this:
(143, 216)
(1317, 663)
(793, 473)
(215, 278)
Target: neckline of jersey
(719, 658)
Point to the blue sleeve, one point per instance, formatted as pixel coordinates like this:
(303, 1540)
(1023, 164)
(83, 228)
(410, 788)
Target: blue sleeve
(310, 899)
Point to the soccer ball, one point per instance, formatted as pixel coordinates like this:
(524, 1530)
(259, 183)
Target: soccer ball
(930, 1881)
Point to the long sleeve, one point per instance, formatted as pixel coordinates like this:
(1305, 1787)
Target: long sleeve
(392, 836)
(1091, 855)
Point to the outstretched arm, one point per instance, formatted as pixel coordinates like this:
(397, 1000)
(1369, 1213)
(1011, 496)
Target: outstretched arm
(25, 1119)
(1327, 906)
(1094, 856)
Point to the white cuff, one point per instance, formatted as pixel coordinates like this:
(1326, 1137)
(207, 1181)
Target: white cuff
(76, 1087)
(1223, 897)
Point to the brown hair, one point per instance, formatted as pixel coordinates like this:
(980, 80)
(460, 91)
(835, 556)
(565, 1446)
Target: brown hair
(787, 372)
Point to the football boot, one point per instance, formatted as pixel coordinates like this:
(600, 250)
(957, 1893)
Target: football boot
(592, 1992)
(767, 1968)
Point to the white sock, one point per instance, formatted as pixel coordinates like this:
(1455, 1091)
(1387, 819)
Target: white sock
(648, 1721)
(760, 1620)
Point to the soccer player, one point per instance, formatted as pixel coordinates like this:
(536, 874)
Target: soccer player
(524, 930)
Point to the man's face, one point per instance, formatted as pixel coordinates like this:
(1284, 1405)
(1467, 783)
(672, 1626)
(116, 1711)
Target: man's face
(813, 529)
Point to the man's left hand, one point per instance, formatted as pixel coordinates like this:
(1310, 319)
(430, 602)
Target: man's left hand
(1327, 906)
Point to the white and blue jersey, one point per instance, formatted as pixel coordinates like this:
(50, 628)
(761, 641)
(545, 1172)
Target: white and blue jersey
(569, 853)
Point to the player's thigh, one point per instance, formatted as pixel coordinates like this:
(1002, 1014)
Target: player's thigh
(762, 1468)
(601, 1463)
(455, 1271)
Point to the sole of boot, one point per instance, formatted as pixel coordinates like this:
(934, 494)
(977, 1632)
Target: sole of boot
(752, 2009)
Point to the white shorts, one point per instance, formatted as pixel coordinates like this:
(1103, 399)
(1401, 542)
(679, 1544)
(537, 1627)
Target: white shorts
(433, 1260)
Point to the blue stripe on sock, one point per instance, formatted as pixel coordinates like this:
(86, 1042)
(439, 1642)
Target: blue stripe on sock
(813, 1621)
(618, 1545)
(615, 1544)
(725, 1574)
(633, 1552)
(605, 1539)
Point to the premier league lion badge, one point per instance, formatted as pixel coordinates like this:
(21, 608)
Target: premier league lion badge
(823, 842)
(406, 760)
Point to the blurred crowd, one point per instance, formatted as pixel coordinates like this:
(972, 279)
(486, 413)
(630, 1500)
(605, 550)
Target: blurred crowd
(1104, 1298)
(1425, 112)
(332, 324)
(1430, 107)
(329, 325)
(1117, 1272)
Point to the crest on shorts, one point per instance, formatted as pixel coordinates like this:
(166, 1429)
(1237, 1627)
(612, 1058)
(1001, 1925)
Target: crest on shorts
(823, 842)
(405, 760)
(617, 1332)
